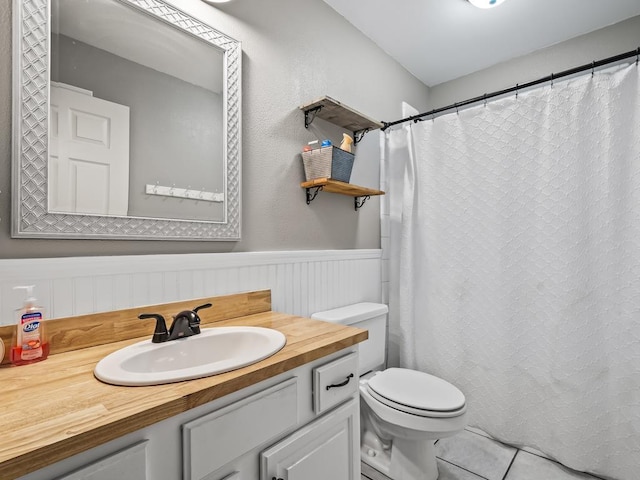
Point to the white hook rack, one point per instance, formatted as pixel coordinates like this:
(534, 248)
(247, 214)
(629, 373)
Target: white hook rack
(189, 193)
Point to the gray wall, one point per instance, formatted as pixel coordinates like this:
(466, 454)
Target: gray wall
(609, 41)
(175, 127)
(294, 51)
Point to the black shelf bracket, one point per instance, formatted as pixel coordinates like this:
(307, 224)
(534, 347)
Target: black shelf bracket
(358, 204)
(310, 195)
(310, 115)
(357, 136)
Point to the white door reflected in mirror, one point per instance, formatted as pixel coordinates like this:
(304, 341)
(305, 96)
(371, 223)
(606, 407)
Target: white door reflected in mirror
(88, 153)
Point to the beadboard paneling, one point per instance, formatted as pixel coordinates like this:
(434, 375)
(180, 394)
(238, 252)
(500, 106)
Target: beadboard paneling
(301, 282)
(82, 331)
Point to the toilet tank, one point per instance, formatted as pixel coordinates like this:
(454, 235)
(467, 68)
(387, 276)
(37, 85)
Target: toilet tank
(369, 316)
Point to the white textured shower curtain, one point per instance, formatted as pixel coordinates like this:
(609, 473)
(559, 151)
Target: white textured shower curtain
(515, 264)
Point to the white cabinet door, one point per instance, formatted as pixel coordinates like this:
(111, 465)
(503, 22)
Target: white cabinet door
(327, 448)
(214, 440)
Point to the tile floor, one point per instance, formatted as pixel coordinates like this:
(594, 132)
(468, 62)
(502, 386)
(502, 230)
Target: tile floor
(472, 456)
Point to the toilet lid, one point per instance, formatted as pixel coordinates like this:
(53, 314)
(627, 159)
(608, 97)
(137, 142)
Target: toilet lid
(417, 390)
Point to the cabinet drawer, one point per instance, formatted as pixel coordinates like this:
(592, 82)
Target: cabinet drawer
(334, 382)
(130, 463)
(216, 439)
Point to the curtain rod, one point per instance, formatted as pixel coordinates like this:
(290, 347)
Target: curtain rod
(550, 78)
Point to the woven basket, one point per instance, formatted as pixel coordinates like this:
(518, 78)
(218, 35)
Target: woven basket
(328, 162)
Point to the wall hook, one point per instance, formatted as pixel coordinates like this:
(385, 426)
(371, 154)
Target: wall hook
(179, 192)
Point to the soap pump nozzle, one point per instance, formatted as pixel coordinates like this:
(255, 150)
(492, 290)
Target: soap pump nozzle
(30, 300)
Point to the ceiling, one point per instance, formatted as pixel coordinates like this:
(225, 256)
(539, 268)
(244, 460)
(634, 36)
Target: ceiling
(440, 40)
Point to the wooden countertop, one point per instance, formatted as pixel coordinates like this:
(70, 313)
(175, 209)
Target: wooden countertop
(56, 408)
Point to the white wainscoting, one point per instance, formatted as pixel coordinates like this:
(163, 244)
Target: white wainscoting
(301, 282)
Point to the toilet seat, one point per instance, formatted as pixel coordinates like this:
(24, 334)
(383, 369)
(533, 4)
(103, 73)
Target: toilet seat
(417, 393)
(407, 425)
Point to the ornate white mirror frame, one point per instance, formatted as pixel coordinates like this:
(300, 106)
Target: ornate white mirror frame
(30, 215)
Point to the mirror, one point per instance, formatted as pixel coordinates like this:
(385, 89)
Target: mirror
(127, 123)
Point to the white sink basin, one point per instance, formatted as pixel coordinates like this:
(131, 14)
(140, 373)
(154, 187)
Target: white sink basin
(215, 350)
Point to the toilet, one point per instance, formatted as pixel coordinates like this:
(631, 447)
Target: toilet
(402, 411)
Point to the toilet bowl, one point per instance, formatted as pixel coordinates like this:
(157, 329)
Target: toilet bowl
(422, 409)
(402, 411)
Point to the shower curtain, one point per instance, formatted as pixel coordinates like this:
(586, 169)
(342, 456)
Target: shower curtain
(515, 264)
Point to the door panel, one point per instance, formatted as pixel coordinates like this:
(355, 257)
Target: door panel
(88, 154)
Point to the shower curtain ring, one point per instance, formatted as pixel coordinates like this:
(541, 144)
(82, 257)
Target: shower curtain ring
(593, 68)
(552, 80)
(485, 99)
(456, 105)
(637, 56)
(517, 85)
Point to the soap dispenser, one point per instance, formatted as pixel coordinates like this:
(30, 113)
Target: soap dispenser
(30, 343)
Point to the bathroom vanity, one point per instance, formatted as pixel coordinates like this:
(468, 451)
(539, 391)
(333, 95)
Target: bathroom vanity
(294, 415)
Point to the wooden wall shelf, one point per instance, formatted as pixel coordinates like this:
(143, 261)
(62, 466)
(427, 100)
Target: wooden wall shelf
(335, 112)
(342, 188)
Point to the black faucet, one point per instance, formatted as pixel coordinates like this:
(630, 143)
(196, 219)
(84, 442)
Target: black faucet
(185, 324)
